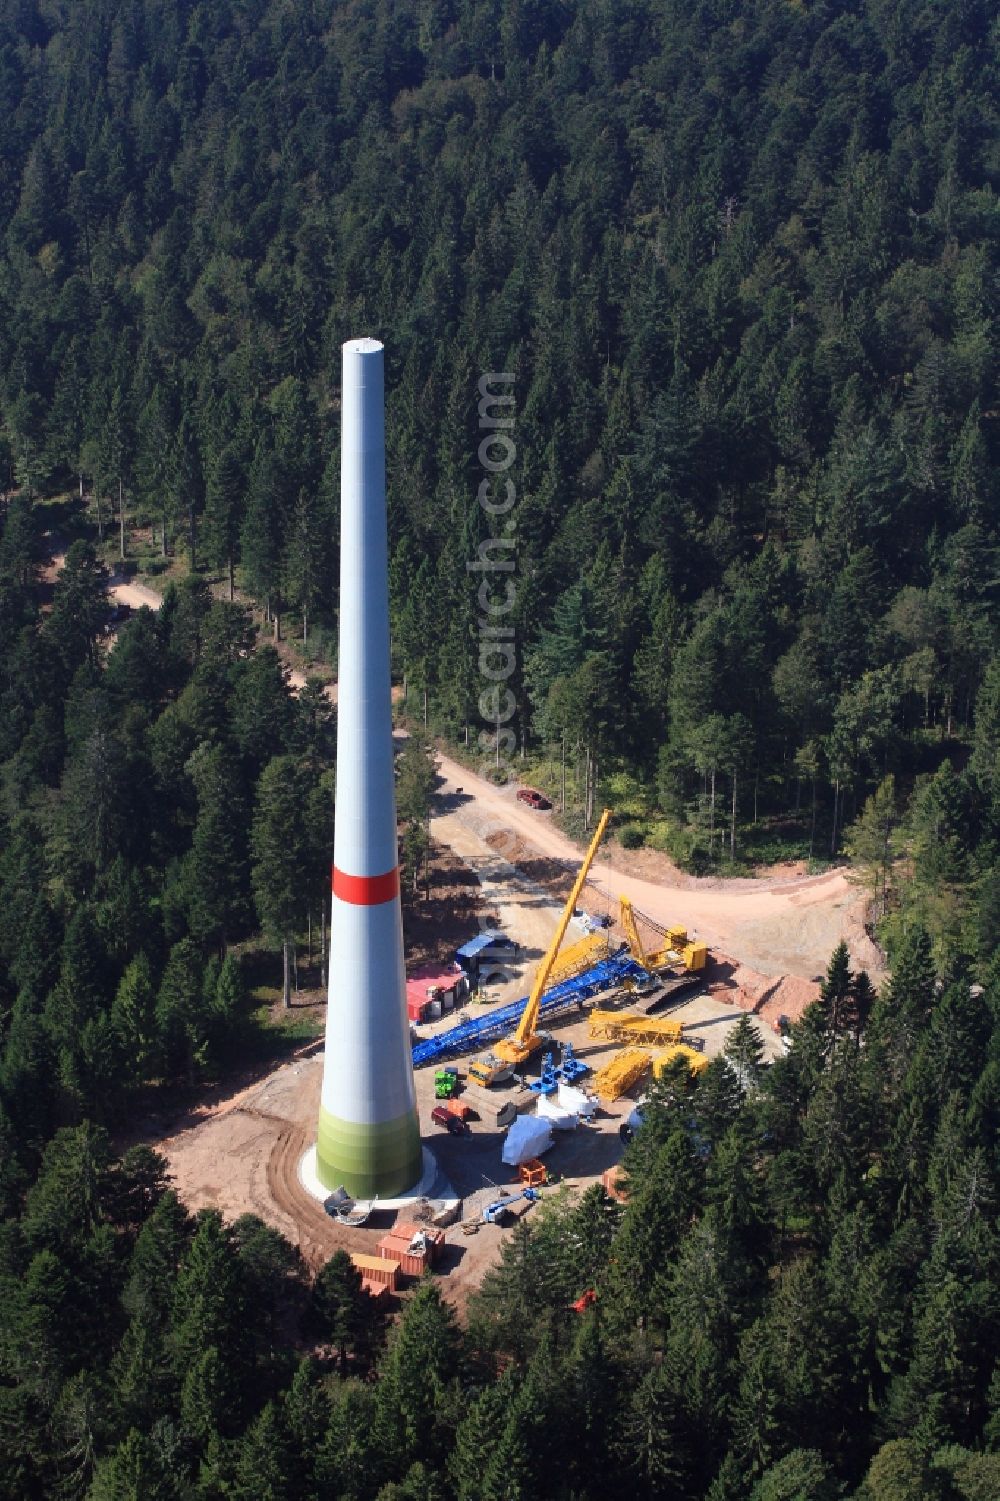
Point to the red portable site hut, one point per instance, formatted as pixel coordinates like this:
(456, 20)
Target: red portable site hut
(430, 991)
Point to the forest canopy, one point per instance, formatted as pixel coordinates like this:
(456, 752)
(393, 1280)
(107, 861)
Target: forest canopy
(740, 261)
(741, 265)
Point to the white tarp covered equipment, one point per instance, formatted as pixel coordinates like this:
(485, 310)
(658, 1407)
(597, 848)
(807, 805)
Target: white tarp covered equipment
(528, 1137)
(576, 1101)
(558, 1118)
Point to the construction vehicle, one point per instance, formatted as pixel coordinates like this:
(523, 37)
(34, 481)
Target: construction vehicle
(576, 960)
(675, 950)
(442, 1116)
(482, 1031)
(489, 1069)
(495, 1212)
(526, 1040)
(445, 1083)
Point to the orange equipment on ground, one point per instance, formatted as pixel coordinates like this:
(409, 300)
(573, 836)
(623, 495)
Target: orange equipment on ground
(379, 1274)
(614, 1184)
(633, 1027)
(696, 1062)
(412, 1248)
(533, 1173)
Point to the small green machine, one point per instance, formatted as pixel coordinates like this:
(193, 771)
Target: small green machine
(445, 1083)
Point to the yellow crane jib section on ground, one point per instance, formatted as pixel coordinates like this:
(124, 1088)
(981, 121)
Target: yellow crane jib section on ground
(617, 1077)
(632, 1026)
(696, 1062)
(525, 1040)
(578, 957)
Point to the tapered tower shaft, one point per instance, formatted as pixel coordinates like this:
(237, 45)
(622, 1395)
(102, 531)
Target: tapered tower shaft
(369, 1137)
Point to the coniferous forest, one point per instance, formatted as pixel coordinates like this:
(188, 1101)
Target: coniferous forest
(741, 262)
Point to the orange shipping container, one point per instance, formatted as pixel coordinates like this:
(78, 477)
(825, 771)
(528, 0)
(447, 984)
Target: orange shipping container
(613, 1185)
(377, 1291)
(400, 1245)
(383, 1270)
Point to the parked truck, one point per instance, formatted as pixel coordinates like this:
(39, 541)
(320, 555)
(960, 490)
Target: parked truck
(489, 1069)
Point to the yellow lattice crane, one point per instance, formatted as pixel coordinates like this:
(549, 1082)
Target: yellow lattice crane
(525, 1040)
(676, 949)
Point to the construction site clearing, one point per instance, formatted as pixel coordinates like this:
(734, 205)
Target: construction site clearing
(241, 1154)
(594, 1021)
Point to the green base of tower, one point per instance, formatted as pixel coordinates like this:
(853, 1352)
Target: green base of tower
(383, 1159)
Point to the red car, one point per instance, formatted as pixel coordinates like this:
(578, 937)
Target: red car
(442, 1117)
(533, 798)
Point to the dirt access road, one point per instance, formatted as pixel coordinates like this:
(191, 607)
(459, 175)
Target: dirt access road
(122, 591)
(777, 926)
(133, 595)
(774, 925)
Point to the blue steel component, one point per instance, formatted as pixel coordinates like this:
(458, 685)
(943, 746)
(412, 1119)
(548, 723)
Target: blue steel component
(495, 1212)
(476, 1031)
(571, 1067)
(573, 1070)
(549, 1082)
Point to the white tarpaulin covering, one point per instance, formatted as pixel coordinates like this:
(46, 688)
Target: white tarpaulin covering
(635, 1119)
(528, 1137)
(558, 1118)
(576, 1101)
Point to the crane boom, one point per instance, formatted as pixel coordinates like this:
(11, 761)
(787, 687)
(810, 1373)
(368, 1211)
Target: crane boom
(525, 1040)
(631, 931)
(676, 948)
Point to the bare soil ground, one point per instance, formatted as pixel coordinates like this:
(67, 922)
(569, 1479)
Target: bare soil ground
(767, 997)
(775, 926)
(240, 1153)
(128, 592)
(435, 926)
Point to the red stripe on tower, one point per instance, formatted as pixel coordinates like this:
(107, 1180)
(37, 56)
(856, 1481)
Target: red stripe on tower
(366, 891)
